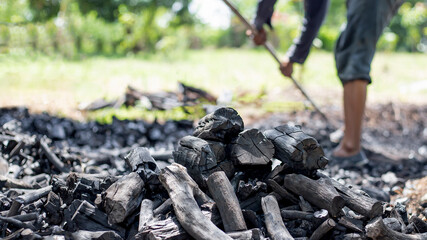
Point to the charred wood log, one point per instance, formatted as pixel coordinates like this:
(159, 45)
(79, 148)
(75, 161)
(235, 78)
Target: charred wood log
(294, 214)
(16, 222)
(292, 146)
(141, 162)
(7, 182)
(29, 197)
(281, 191)
(324, 228)
(192, 94)
(52, 157)
(419, 224)
(251, 147)
(199, 156)
(184, 193)
(377, 230)
(95, 235)
(357, 202)
(146, 213)
(304, 205)
(123, 197)
(273, 221)
(252, 234)
(88, 217)
(227, 203)
(170, 228)
(353, 224)
(164, 208)
(221, 125)
(318, 193)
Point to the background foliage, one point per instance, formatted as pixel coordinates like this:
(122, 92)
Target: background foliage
(78, 28)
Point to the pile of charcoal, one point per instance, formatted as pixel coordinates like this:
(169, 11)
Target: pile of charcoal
(225, 183)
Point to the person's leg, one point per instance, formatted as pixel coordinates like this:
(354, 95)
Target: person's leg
(354, 52)
(354, 106)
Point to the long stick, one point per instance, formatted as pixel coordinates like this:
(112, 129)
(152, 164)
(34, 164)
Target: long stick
(271, 50)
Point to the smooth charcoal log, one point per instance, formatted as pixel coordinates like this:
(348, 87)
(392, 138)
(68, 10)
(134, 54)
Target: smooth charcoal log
(377, 230)
(324, 228)
(184, 193)
(292, 146)
(319, 193)
(273, 220)
(251, 147)
(199, 156)
(281, 191)
(357, 202)
(123, 197)
(222, 125)
(52, 157)
(222, 192)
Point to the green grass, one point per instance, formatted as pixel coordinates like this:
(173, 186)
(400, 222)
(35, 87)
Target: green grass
(39, 80)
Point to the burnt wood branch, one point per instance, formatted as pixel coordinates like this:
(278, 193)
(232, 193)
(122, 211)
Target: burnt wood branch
(164, 207)
(170, 228)
(123, 197)
(184, 191)
(251, 234)
(222, 192)
(251, 147)
(351, 223)
(294, 214)
(377, 230)
(88, 217)
(7, 182)
(304, 205)
(16, 222)
(273, 220)
(294, 147)
(419, 224)
(324, 228)
(281, 191)
(190, 93)
(357, 202)
(146, 213)
(221, 125)
(98, 235)
(53, 159)
(318, 193)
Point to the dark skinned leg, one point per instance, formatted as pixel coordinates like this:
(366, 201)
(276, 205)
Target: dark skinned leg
(354, 107)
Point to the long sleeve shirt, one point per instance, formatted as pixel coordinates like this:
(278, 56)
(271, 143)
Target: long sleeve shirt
(315, 12)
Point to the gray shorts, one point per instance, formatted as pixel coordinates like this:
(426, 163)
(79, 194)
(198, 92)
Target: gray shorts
(355, 48)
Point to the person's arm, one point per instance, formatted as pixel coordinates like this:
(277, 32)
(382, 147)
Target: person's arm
(315, 12)
(264, 13)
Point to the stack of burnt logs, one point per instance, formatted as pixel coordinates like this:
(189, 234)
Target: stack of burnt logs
(226, 183)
